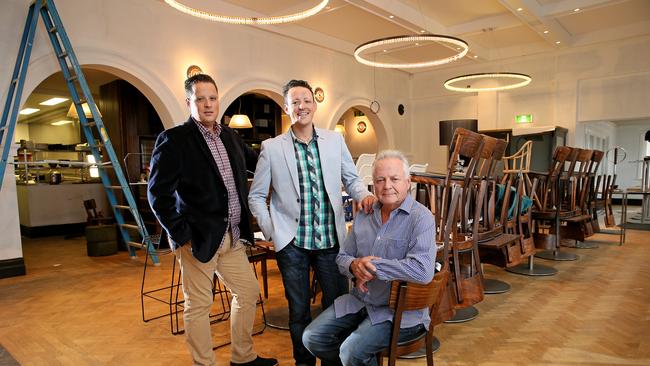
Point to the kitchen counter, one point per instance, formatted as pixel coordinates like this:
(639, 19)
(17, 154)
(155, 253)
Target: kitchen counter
(58, 204)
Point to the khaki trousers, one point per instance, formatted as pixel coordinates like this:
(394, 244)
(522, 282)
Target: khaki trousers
(235, 272)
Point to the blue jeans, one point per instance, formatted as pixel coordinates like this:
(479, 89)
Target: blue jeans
(350, 340)
(294, 264)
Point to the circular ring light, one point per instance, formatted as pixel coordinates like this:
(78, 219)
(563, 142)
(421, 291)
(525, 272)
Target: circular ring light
(231, 19)
(390, 41)
(515, 81)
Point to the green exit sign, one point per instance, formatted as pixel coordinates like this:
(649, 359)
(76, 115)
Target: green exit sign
(524, 118)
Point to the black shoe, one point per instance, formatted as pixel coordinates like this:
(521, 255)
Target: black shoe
(259, 361)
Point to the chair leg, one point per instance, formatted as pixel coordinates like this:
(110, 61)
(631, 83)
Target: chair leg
(429, 343)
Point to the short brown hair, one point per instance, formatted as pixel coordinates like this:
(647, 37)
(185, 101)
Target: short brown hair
(294, 84)
(198, 78)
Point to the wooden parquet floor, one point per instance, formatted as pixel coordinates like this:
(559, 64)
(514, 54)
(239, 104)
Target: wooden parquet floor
(71, 309)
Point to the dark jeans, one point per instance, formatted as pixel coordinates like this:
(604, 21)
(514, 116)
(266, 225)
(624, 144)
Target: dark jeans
(351, 340)
(294, 264)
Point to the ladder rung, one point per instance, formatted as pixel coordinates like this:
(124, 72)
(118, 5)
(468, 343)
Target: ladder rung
(53, 29)
(123, 207)
(80, 101)
(130, 226)
(89, 124)
(63, 54)
(115, 187)
(73, 78)
(14, 81)
(136, 245)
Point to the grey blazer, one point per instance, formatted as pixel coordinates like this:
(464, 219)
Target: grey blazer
(277, 169)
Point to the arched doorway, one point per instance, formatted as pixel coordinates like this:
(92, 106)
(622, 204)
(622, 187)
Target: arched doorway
(264, 112)
(53, 133)
(364, 131)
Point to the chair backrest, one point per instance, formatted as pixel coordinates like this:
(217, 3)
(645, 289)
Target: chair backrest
(519, 162)
(365, 173)
(545, 195)
(405, 296)
(91, 210)
(416, 168)
(364, 159)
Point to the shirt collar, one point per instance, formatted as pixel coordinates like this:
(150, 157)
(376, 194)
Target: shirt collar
(296, 140)
(406, 206)
(205, 131)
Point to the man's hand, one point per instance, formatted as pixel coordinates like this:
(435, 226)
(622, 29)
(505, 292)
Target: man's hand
(363, 271)
(367, 202)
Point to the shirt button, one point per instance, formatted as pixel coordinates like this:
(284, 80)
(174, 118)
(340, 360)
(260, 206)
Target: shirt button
(297, 199)
(225, 219)
(296, 220)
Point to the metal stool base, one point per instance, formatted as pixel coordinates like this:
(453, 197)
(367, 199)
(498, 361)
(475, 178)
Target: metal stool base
(493, 286)
(464, 315)
(556, 255)
(583, 245)
(422, 352)
(536, 270)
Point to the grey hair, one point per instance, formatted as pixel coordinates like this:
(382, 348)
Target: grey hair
(392, 154)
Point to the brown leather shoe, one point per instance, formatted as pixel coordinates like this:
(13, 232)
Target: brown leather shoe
(259, 361)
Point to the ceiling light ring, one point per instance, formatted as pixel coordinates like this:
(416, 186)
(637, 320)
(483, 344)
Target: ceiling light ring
(457, 42)
(524, 80)
(231, 19)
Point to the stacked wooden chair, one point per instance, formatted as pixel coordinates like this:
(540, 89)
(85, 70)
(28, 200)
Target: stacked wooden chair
(579, 227)
(547, 210)
(466, 283)
(601, 199)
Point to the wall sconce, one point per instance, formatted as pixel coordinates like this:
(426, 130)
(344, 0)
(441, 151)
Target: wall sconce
(319, 94)
(361, 127)
(193, 70)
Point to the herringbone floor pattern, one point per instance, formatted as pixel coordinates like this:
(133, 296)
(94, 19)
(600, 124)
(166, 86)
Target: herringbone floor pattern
(71, 309)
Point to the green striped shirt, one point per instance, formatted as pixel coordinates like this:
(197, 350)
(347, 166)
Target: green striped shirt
(308, 230)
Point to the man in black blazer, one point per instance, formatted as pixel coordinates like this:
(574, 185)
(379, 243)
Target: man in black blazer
(198, 191)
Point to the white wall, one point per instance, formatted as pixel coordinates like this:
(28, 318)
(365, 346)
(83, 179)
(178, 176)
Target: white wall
(47, 134)
(630, 135)
(607, 82)
(150, 45)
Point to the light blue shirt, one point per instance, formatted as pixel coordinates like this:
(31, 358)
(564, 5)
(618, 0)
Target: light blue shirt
(407, 250)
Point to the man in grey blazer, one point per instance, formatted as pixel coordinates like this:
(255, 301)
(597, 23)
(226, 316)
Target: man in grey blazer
(304, 169)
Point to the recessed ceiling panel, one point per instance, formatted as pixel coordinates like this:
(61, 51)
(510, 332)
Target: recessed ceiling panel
(590, 20)
(506, 37)
(352, 24)
(454, 12)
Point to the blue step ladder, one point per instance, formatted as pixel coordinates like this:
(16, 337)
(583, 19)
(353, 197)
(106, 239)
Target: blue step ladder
(80, 93)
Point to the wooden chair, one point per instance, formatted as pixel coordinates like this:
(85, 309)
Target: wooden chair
(93, 216)
(577, 218)
(466, 285)
(547, 209)
(406, 296)
(604, 201)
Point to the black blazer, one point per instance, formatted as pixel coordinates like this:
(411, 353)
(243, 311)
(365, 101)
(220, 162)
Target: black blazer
(186, 191)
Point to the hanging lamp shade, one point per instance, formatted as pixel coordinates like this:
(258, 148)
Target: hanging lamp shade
(240, 121)
(72, 111)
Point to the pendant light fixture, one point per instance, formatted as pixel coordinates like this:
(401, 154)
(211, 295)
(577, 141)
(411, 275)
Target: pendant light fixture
(495, 81)
(240, 120)
(408, 41)
(232, 19)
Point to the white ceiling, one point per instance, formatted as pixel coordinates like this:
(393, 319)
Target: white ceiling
(494, 29)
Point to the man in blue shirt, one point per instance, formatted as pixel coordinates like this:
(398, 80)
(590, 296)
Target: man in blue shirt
(396, 241)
